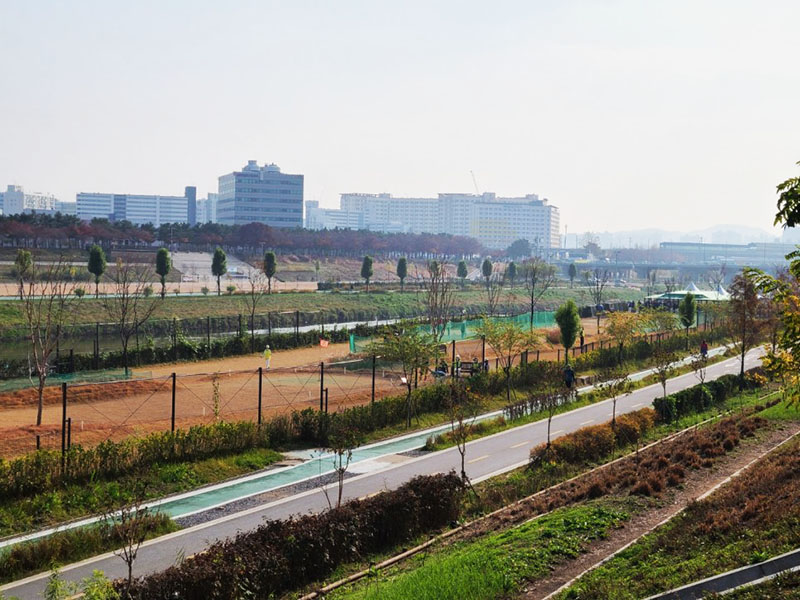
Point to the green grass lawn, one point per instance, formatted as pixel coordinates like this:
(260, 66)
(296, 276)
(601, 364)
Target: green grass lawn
(29, 513)
(497, 565)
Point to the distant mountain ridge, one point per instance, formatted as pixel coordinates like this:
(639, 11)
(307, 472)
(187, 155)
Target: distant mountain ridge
(716, 234)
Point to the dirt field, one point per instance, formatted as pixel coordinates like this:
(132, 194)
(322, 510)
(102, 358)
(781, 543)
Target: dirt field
(226, 389)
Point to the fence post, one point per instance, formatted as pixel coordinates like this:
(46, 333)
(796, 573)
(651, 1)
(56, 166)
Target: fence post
(297, 327)
(173, 402)
(537, 356)
(239, 332)
(326, 401)
(321, 383)
(175, 337)
(63, 427)
(260, 377)
(558, 355)
(483, 351)
(69, 433)
(373, 378)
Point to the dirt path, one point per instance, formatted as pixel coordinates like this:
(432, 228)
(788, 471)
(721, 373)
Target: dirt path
(696, 483)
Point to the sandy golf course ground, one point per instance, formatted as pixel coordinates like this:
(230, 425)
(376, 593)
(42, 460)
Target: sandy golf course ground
(224, 389)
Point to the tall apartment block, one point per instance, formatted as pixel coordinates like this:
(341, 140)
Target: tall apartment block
(137, 208)
(495, 222)
(260, 194)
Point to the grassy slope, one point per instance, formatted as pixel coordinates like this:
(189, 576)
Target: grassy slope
(495, 565)
(76, 500)
(88, 310)
(726, 531)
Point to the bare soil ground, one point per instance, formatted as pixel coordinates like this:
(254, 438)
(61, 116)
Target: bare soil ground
(225, 388)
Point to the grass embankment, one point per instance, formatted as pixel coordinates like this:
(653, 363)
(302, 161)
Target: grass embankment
(754, 517)
(700, 450)
(74, 500)
(70, 546)
(496, 565)
(333, 305)
(783, 587)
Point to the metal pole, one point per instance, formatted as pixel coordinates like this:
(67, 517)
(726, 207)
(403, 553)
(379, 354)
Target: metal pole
(63, 426)
(483, 351)
(453, 370)
(175, 337)
(326, 401)
(69, 433)
(373, 378)
(173, 402)
(321, 383)
(260, 381)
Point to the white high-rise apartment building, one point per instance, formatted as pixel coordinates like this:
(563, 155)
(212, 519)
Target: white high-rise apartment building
(139, 209)
(207, 209)
(495, 222)
(16, 200)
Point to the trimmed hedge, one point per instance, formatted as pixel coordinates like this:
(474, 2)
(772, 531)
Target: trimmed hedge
(283, 555)
(41, 470)
(594, 442)
(702, 396)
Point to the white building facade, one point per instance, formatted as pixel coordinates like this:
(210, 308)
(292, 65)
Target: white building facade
(16, 201)
(260, 194)
(495, 222)
(139, 209)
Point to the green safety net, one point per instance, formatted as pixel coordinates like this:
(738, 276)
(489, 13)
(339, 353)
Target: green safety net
(467, 329)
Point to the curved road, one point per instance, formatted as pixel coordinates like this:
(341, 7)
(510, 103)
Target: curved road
(486, 457)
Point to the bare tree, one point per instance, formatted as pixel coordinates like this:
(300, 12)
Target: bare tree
(596, 283)
(550, 393)
(494, 292)
(438, 297)
(745, 322)
(463, 408)
(615, 382)
(539, 277)
(507, 340)
(716, 277)
(129, 306)
(46, 298)
(342, 440)
(251, 299)
(699, 365)
(130, 524)
(670, 284)
(663, 364)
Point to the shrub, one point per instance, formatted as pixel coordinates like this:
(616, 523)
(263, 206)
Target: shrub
(283, 555)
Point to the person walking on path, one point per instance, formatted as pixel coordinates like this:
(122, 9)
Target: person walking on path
(267, 356)
(582, 340)
(704, 349)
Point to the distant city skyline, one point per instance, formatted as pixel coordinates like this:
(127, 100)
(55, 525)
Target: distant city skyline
(624, 114)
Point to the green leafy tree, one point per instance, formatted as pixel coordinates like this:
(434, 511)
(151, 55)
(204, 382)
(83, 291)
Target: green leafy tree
(744, 314)
(163, 267)
(788, 213)
(511, 273)
(414, 350)
(521, 248)
(23, 264)
(270, 268)
(97, 266)
(462, 271)
(219, 266)
(486, 270)
(573, 273)
(687, 313)
(507, 340)
(402, 271)
(569, 324)
(366, 270)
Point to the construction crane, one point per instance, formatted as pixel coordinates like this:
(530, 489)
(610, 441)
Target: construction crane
(475, 183)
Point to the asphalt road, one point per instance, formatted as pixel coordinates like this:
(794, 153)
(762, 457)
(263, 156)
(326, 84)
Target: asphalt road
(485, 457)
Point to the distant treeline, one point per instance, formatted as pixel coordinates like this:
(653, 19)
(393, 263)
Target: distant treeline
(65, 231)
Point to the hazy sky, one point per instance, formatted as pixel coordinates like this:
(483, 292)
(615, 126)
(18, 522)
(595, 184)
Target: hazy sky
(673, 114)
